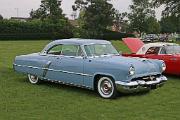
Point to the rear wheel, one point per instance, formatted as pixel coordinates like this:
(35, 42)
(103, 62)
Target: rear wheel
(106, 88)
(33, 79)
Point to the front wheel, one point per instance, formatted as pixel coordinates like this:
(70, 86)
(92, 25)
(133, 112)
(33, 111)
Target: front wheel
(106, 88)
(33, 79)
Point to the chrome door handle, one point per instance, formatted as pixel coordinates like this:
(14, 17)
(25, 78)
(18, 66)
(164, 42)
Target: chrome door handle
(173, 58)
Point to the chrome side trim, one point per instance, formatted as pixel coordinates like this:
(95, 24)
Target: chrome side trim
(82, 74)
(47, 69)
(28, 66)
(66, 83)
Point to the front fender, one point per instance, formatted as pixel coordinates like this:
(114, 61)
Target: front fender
(158, 63)
(104, 74)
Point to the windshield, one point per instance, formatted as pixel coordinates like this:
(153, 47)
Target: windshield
(173, 49)
(100, 50)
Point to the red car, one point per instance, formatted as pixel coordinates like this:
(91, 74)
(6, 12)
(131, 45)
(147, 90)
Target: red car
(168, 52)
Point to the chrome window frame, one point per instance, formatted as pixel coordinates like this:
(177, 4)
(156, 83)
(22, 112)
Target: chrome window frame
(44, 53)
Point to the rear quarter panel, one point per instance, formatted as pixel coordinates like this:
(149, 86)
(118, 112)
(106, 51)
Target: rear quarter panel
(30, 65)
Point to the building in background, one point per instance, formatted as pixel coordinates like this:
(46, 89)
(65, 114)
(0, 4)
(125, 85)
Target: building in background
(22, 19)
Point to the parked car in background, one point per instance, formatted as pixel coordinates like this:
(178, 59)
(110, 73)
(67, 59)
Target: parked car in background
(163, 38)
(92, 64)
(168, 52)
(150, 38)
(177, 37)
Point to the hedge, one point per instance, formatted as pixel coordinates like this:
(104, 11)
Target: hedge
(36, 29)
(106, 35)
(13, 30)
(111, 35)
(34, 36)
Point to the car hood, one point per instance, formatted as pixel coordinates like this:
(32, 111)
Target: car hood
(142, 66)
(134, 44)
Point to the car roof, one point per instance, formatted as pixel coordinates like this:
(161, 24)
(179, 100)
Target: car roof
(145, 47)
(79, 41)
(75, 41)
(158, 44)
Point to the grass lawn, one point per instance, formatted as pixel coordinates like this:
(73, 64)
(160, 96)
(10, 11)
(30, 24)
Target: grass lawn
(20, 100)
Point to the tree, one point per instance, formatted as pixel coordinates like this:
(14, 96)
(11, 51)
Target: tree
(49, 9)
(80, 4)
(170, 24)
(152, 25)
(140, 11)
(119, 23)
(172, 7)
(96, 15)
(1, 17)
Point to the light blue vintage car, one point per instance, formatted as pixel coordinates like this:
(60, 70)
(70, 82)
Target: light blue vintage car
(92, 64)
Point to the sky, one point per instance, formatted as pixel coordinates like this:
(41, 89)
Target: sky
(22, 8)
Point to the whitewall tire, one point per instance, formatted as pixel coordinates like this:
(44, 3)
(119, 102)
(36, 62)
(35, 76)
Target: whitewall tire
(106, 88)
(33, 79)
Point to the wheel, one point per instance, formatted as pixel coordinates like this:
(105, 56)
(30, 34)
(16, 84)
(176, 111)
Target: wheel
(33, 79)
(106, 88)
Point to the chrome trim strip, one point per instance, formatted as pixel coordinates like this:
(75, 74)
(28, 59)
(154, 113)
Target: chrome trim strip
(46, 68)
(70, 72)
(66, 83)
(28, 66)
(82, 74)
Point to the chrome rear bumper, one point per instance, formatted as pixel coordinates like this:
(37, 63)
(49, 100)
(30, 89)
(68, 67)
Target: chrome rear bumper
(140, 85)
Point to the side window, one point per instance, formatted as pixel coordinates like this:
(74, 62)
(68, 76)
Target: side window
(71, 50)
(88, 50)
(163, 51)
(55, 50)
(153, 50)
(80, 52)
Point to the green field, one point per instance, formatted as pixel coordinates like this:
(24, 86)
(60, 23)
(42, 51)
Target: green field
(20, 100)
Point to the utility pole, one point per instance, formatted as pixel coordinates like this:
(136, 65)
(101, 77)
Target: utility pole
(17, 12)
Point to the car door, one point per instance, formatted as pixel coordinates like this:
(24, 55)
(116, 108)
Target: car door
(157, 53)
(177, 63)
(66, 64)
(170, 60)
(171, 63)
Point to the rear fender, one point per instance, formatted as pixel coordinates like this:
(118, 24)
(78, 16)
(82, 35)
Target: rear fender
(34, 67)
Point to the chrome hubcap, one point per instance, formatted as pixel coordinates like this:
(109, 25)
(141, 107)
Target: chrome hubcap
(33, 79)
(106, 87)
